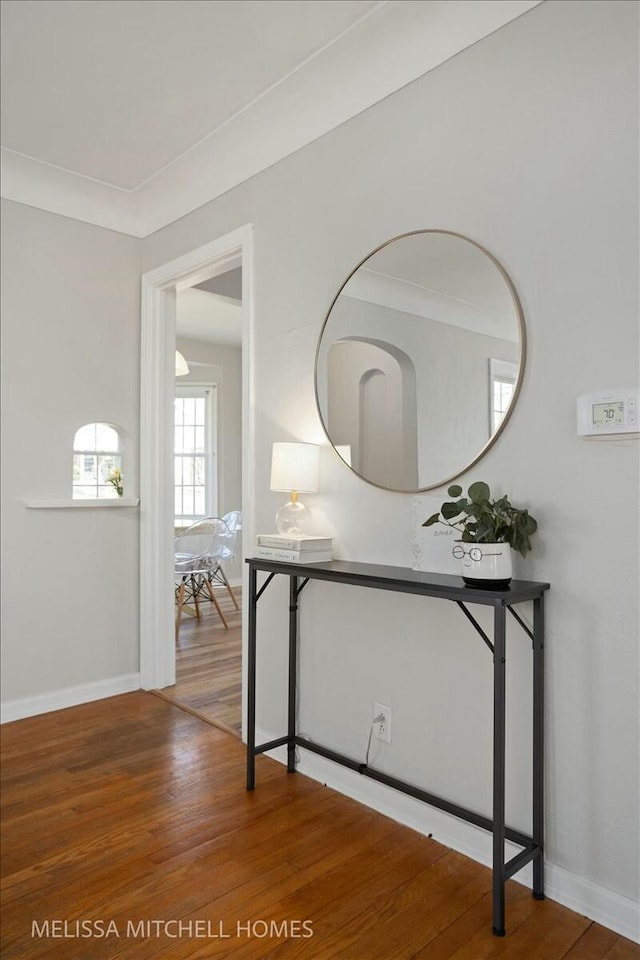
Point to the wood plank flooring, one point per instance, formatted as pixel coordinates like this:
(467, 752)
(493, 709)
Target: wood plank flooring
(209, 664)
(133, 813)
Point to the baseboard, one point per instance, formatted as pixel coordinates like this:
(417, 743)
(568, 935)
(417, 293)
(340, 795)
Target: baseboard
(68, 697)
(604, 906)
(611, 909)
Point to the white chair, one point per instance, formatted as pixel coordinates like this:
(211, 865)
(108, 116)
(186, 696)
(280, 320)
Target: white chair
(233, 522)
(196, 553)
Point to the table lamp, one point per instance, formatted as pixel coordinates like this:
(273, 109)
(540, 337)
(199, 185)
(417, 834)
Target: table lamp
(294, 470)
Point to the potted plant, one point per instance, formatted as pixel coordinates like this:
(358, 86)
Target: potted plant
(489, 530)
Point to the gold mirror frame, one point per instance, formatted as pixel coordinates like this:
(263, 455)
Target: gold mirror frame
(519, 316)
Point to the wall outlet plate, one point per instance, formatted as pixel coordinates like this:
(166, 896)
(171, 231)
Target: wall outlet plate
(382, 729)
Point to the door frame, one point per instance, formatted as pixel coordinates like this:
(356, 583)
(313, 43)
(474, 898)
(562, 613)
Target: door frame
(157, 376)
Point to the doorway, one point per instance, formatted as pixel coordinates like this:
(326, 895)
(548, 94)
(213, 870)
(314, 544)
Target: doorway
(161, 290)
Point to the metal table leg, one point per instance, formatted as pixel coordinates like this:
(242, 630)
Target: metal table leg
(293, 672)
(251, 680)
(538, 746)
(499, 739)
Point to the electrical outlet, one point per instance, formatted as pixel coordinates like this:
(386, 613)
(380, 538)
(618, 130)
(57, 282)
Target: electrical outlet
(382, 728)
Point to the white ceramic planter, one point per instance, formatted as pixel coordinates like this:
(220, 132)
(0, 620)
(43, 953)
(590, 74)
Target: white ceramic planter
(484, 564)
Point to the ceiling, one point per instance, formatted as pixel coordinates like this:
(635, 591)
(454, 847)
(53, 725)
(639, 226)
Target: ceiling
(208, 318)
(115, 90)
(227, 284)
(131, 113)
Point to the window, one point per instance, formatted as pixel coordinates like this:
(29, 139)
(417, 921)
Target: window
(502, 384)
(502, 394)
(195, 487)
(97, 453)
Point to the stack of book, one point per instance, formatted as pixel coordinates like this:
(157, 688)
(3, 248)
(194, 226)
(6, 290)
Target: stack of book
(293, 548)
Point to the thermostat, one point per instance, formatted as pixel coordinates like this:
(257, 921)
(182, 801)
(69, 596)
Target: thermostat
(608, 413)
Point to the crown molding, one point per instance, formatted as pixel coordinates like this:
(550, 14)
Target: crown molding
(391, 48)
(397, 294)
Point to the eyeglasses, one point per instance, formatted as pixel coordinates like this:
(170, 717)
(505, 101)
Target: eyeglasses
(474, 553)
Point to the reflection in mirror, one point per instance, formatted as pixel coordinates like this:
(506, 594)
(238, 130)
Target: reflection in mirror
(420, 360)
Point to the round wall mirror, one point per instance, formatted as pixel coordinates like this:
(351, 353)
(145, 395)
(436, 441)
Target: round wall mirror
(420, 360)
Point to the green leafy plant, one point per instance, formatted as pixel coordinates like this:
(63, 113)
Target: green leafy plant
(481, 520)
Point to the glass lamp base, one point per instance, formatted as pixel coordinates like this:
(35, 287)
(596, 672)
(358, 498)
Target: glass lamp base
(294, 518)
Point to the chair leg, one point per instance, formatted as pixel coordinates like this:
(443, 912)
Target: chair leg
(215, 602)
(228, 586)
(195, 588)
(181, 590)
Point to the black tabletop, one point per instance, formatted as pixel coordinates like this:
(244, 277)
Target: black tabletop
(403, 580)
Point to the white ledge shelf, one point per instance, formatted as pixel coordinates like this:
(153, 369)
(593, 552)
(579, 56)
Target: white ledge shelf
(64, 504)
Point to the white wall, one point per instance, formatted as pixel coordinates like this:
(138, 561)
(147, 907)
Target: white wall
(70, 355)
(527, 143)
(222, 365)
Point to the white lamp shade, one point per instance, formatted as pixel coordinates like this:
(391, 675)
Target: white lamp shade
(295, 466)
(182, 367)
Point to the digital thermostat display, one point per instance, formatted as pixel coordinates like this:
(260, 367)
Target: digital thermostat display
(609, 413)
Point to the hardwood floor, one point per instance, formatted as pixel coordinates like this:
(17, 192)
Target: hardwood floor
(132, 811)
(209, 664)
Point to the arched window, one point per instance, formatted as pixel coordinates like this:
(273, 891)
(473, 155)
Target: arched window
(97, 462)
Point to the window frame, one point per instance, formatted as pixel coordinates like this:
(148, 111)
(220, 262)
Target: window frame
(208, 391)
(104, 490)
(500, 371)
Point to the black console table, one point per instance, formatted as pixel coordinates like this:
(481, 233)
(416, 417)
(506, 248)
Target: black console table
(404, 580)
